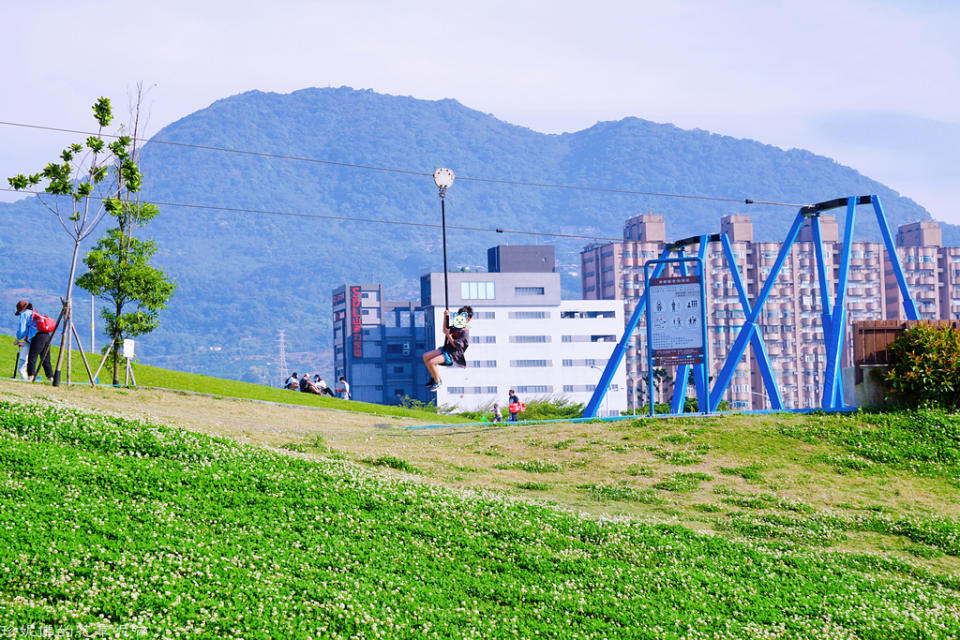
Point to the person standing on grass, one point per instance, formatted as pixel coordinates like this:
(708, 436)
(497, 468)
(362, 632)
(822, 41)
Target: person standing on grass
(515, 406)
(344, 388)
(455, 343)
(38, 337)
(497, 417)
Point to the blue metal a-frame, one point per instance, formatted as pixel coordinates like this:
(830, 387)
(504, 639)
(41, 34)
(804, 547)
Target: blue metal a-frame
(834, 323)
(833, 318)
(679, 392)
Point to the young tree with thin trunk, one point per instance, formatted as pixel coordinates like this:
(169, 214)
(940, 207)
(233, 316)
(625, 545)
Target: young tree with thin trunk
(118, 267)
(76, 183)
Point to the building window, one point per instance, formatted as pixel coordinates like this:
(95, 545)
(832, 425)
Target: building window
(603, 338)
(529, 339)
(455, 390)
(568, 363)
(485, 315)
(535, 388)
(528, 291)
(528, 315)
(484, 339)
(588, 314)
(531, 363)
(476, 290)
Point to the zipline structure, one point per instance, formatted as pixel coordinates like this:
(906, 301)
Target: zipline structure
(833, 316)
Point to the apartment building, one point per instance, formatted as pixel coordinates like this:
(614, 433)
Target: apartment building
(790, 324)
(523, 336)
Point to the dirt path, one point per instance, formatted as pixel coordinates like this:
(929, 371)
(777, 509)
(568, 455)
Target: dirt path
(248, 421)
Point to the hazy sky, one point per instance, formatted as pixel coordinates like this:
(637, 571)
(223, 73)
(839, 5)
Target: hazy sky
(873, 84)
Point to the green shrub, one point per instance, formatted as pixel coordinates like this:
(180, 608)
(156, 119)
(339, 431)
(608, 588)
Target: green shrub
(537, 409)
(925, 367)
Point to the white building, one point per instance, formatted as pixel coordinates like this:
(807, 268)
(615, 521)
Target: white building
(523, 336)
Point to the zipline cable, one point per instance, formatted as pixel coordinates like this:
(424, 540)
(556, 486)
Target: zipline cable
(320, 216)
(519, 183)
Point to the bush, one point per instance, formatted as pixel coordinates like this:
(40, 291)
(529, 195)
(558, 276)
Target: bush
(925, 367)
(537, 409)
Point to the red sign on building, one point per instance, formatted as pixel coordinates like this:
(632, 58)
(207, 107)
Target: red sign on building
(356, 322)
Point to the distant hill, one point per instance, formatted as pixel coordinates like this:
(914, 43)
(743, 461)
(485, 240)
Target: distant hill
(242, 276)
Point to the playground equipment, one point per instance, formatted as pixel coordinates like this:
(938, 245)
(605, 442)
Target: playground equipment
(833, 318)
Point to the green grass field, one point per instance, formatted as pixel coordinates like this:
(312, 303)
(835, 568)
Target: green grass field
(147, 376)
(137, 527)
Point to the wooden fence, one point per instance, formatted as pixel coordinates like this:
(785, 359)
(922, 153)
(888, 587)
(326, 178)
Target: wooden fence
(872, 338)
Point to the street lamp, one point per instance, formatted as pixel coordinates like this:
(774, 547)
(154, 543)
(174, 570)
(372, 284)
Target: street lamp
(443, 178)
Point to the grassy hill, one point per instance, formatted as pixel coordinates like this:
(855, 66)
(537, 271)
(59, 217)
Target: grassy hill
(330, 524)
(105, 521)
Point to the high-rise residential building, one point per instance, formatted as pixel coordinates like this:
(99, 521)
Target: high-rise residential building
(790, 323)
(523, 336)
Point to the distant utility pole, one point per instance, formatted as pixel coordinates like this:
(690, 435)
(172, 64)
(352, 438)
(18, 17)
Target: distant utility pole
(283, 355)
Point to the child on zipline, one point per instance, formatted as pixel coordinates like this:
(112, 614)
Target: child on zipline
(456, 341)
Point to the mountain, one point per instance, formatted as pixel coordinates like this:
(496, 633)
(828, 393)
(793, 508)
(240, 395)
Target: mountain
(243, 276)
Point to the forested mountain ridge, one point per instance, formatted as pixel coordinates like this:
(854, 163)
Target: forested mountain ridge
(242, 276)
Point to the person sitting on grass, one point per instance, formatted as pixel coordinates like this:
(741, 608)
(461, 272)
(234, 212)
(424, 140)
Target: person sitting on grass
(452, 352)
(306, 386)
(322, 386)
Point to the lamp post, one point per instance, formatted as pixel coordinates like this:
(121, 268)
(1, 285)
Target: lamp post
(443, 178)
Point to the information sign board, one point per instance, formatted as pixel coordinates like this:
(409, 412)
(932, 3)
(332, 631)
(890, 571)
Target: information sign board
(676, 318)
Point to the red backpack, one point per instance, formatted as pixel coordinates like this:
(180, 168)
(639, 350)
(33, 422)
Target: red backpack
(45, 324)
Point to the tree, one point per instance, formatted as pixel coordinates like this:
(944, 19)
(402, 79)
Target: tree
(77, 183)
(118, 267)
(924, 367)
(119, 271)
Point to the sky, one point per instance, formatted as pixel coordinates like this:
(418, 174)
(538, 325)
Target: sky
(874, 84)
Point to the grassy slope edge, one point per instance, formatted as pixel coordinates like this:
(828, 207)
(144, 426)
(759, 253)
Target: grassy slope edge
(148, 376)
(104, 520)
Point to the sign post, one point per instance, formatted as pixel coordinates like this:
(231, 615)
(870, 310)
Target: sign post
(676, 324)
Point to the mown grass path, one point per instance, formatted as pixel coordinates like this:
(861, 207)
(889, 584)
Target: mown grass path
(184, 535)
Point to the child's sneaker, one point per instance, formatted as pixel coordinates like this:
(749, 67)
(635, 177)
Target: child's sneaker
(435, 386)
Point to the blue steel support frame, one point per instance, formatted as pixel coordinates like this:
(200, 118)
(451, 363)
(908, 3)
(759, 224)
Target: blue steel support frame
(703, 398)
(826, 317)
(756, 340)
(834, 321)
(838, 320)
(750, 324)
(590, 411)
(683, 371)
(909, 306)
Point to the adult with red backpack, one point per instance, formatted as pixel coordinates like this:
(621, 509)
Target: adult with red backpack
(36, 329)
